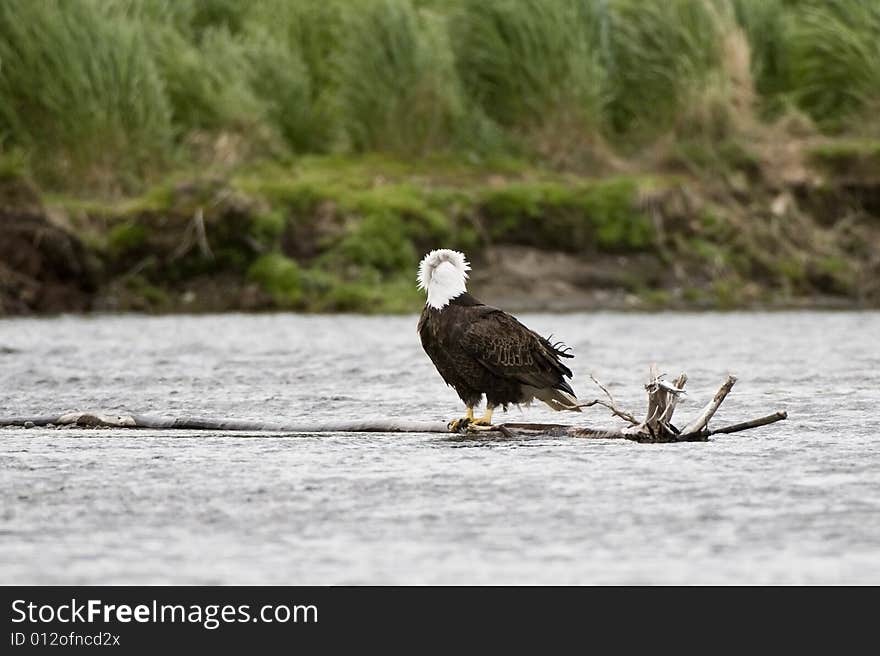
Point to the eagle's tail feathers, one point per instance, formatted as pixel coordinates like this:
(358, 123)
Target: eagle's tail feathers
(557, 399)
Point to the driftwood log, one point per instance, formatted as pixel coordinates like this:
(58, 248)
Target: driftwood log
(657, 426)
(663, 397)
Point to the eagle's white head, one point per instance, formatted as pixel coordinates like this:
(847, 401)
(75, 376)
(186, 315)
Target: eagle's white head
(442, 273)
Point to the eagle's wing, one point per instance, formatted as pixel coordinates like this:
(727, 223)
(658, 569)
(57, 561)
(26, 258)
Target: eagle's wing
(510, 350)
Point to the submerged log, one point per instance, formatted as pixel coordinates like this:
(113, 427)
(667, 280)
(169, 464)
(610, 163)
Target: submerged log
(102, 420)
(663, 397)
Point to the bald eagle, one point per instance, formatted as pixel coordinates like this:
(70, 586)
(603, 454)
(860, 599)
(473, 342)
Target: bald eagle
(480, 350)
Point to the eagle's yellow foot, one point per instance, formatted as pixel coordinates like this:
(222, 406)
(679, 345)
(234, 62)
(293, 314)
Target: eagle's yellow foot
(485, 420)
(460, 425)
(470, 425)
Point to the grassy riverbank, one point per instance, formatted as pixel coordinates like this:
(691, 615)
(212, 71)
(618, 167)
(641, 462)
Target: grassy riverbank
(106, 95)
(214, 155)
(331, 233)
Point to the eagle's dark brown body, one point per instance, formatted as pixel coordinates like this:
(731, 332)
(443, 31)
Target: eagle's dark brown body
(480, 350)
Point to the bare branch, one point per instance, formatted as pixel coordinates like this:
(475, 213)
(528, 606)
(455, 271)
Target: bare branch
(611, 404)
(614, 410)
(754, 423)
(700, 422)
(201, 234)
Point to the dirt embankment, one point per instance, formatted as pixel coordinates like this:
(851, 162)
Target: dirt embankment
(759, 236)
(43, 266)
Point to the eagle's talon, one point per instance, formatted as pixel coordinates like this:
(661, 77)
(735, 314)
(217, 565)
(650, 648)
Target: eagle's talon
(459, 425)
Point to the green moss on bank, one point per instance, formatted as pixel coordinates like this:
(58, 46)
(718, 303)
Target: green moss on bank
(584, 217)
(293, 287)
(854, 159)
(126, 236)
(343, 235)
(354, 233)
(280, 277)
(334, 235)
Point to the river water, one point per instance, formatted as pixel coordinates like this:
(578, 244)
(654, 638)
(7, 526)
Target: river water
(795, 502)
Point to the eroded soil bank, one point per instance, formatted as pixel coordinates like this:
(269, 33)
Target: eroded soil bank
(338, 235)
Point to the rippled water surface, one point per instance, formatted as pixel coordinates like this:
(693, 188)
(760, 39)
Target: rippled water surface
(798, 501)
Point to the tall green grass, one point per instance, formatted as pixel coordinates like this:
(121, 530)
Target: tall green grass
(659, 52)
(766, 24)
(396, 78)
(208, 81)
(293, 46)
(102, 92)
(835, 60)
(80, 92)
(530, 62)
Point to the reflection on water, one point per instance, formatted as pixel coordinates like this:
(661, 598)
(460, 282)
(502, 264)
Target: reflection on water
(795, 502)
